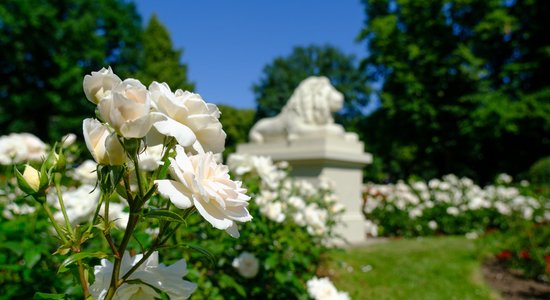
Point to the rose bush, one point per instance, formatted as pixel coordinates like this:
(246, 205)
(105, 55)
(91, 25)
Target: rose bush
(511, 221)
(450, 205)
(155, 190)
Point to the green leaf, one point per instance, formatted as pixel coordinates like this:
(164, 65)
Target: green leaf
(78, 256)
(164, 215)
(204, 252)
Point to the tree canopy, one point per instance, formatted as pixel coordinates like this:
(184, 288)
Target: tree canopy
(282, 76)
(464, 88)
(47, 47)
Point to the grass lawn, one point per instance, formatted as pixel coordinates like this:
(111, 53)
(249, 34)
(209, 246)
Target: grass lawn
(426, 268)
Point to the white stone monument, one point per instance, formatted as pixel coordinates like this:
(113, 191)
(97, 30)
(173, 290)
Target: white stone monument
(304, 134)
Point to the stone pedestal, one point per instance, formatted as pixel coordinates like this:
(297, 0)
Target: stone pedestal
(334, 157)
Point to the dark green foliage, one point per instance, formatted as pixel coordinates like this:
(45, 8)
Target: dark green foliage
(540, 171)
(539, 175)
(236, 124)
(46, 49)
(464, 86)
(161, 62)
(282, 76)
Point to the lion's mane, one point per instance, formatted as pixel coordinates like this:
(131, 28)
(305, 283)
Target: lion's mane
(310, 106)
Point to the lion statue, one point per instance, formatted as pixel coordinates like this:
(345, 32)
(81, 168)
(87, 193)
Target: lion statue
(308, 112)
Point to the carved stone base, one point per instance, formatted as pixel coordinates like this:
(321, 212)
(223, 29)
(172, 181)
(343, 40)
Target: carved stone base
(334, 157)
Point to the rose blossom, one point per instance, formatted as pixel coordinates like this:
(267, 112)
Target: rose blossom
(128, 109)
(100, 83)
(198, 180)
(261, 165)
(166, 278)
(151, 158)
(323, 289)
(103, 145)
(188, 118)
(273, 211)
(20, 147)
(246, 264)
(85, 172)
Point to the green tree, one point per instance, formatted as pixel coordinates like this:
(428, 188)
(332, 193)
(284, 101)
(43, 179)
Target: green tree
(47, 46)
(282, 76)
(161, 62)
(463, 85)
(236, 124)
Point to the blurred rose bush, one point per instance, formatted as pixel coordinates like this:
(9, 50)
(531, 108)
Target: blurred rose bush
(511, 219)
(450, 205)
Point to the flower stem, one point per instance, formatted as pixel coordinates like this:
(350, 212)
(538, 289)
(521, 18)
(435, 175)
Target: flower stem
(115, 282)
(154, 246)
(83, 281)
(57, 181)
(54, 223)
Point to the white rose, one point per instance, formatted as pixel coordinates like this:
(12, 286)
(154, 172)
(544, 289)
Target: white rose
(21, 147)
(188, 113)
(103, 145)
(247, 265)
(324, 289)
(151, 158)
(273, 211)
(198, 180)
(153, 275)
(36, 148)
(453, 211)
(85, 172)
(128, 109)
(11, 151)
(100, 83)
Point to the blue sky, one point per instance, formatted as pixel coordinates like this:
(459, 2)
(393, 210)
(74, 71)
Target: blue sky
(227, 43)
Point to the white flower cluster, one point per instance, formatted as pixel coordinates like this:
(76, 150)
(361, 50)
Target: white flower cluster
(458, 195)
(324, 289)
(283, 198)
(17, 148)
(129, 110)
(262, 166)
